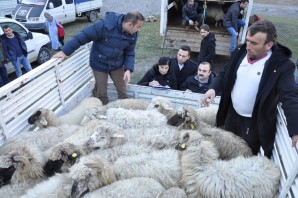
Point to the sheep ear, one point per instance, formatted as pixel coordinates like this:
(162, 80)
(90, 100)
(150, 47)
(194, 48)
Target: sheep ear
(93, 166)
(185, 137)
(43, 121)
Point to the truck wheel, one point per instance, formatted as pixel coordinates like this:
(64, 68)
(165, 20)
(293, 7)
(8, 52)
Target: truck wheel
(44, 55)
(92, 16)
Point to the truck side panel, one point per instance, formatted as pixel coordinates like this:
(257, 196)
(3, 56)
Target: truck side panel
(84, 6)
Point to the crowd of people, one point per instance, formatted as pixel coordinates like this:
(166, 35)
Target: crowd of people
(258, 75)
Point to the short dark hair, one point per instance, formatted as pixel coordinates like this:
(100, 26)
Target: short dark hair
(244, 1)
(4, 27)
(265, 27)
(205, 27)
(133, 17)
(206, 63)
(164, 61)
(185, 48)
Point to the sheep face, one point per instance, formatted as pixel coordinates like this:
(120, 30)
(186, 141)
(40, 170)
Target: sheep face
(90, 174)
(160, 103)
(41, 118)
(185, 119)
(6, 175)
(104, 140)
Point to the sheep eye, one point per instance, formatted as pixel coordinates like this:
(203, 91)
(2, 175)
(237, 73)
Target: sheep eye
(156, 106)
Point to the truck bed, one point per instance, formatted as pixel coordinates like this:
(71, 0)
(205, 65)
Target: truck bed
(60, 86)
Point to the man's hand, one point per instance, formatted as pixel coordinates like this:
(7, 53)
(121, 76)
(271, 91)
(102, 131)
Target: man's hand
(126, 76)
(208, 97)
(190, 22)
(294, 140)
(60, 55)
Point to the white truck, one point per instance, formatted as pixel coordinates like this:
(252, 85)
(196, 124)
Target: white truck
(31, 12)
(6, 7)
(59, 86)
(38, 44)
(175, 35)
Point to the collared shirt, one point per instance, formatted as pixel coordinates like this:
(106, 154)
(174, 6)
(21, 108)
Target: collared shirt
(180, 66)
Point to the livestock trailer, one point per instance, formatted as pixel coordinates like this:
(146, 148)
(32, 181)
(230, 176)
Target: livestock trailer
(61, 85)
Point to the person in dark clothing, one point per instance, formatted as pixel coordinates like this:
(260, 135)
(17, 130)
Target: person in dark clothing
(160, 74)
(16, 50)
(113, 50)
(207, 49)
(297, 72)
(3, 71)
(200, 82)
(191, 15)
(258, 75)
(182, 66)
(232, 22)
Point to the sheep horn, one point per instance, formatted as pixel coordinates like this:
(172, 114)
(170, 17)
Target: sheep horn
(23, 159)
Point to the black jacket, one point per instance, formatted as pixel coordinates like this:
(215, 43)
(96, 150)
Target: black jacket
(192, 83)
(153, 74)
(190, 68)
(232, 15)
(207, 50)
(277, 85)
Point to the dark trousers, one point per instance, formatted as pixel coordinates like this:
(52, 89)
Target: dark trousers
(61, 40)
(101, 80)
(3, 75)
(241, 126)
(197, 18)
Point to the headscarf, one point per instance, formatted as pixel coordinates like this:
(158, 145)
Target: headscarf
(48, 17)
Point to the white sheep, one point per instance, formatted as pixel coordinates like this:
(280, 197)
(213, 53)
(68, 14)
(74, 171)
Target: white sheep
(43, 139)
(215, 12)
(100, 112)
(173, 192)
(44, 118)
(204, 175)
(21, 163)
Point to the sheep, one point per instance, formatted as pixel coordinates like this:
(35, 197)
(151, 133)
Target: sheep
(42, 139)
(44, 118)
(228, 144)
(100, 112)
(22, 163)
(173, 192)
(129, 188)
(216, 13)
(205, 175)
(62, 156)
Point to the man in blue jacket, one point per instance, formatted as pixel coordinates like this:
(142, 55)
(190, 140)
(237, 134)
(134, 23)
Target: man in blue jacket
(232, 22)
(191, 15)
(113, 50)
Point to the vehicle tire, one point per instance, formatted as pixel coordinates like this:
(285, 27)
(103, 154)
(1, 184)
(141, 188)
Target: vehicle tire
(92, 16)
(44, 55)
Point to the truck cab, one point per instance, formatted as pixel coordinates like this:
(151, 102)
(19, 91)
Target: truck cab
(37, 44)
(175, 35)
(31, 12)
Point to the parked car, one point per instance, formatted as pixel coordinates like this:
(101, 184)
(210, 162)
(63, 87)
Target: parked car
(38, 44)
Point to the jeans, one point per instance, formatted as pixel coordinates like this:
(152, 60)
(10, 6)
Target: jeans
(21, 60)
(297, 77)
(234, 34)
(101, 80)
(3, 75)
(197, 18)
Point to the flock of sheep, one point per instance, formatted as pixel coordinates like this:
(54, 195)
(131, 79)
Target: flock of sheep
(132, 148)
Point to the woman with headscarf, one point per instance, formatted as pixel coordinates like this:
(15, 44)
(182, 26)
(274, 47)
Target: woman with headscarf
(52, 24)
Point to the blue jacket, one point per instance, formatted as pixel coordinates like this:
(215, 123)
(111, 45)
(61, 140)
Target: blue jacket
(190, 12)
(10, 51)
(192, 83)
(111, 49)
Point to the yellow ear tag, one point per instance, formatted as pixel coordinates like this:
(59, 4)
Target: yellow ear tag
(193, 127)
(183, 146)
(74, 155)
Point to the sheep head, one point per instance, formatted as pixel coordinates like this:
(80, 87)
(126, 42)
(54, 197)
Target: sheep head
(62, 157)
(163, 105)
(105, 139)
(186, 118)
(43, 118)
(6, 169)
(89, 174)
(194, 147)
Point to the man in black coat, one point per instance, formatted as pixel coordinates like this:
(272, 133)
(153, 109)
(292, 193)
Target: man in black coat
(258, 75)
(200, 82)
(232, 22)
(182, 66)
(207, 49)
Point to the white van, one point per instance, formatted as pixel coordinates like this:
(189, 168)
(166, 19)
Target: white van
(38, 45)
(31, 12)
